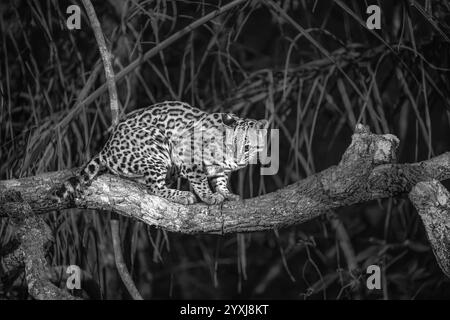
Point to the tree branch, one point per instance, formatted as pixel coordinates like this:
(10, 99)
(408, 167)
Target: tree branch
(364, 173)
(120, 262)
(114, 106)
(33, 234)
(104, 53)
(432, 201)
(153, 52)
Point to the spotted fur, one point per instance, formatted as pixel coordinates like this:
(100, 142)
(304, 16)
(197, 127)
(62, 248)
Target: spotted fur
(157, 144)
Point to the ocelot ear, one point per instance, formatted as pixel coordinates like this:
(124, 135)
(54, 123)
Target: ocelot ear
(228, 119)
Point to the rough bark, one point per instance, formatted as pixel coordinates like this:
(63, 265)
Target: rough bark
(33, 235)
(432, 201)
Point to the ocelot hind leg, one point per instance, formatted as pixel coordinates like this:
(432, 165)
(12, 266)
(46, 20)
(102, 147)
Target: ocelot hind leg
(220, 184)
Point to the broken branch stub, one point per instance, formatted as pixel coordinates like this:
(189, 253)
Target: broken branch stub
(348, 181)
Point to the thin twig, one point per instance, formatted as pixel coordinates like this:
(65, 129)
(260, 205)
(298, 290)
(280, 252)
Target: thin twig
(120, 263)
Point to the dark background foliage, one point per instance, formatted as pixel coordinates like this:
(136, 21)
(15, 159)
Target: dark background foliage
(256, 63)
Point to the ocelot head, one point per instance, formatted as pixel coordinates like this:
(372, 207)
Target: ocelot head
(222, 142)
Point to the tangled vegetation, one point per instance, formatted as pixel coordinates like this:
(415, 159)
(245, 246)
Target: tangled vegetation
(310, 67)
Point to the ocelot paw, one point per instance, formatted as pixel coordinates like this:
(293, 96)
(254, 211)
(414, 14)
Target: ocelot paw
(229, 195)
(184, 197)
(213, 198)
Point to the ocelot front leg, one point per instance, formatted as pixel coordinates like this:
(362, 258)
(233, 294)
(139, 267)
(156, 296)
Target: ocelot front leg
(155, 179)
(199, 182)
(220, 184)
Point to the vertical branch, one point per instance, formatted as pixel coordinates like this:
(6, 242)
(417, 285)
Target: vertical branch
(120, 263)
(109, 72)
(33, 235)
(114, 105)
(347, 248)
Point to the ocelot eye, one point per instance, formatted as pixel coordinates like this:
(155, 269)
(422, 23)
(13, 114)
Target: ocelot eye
(228, 119)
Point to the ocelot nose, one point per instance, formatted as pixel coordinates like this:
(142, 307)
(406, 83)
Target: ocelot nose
(262, 124)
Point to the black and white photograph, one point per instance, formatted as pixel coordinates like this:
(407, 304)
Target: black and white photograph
(218, 158)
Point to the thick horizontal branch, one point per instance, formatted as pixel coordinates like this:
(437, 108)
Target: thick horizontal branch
(364, 173)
